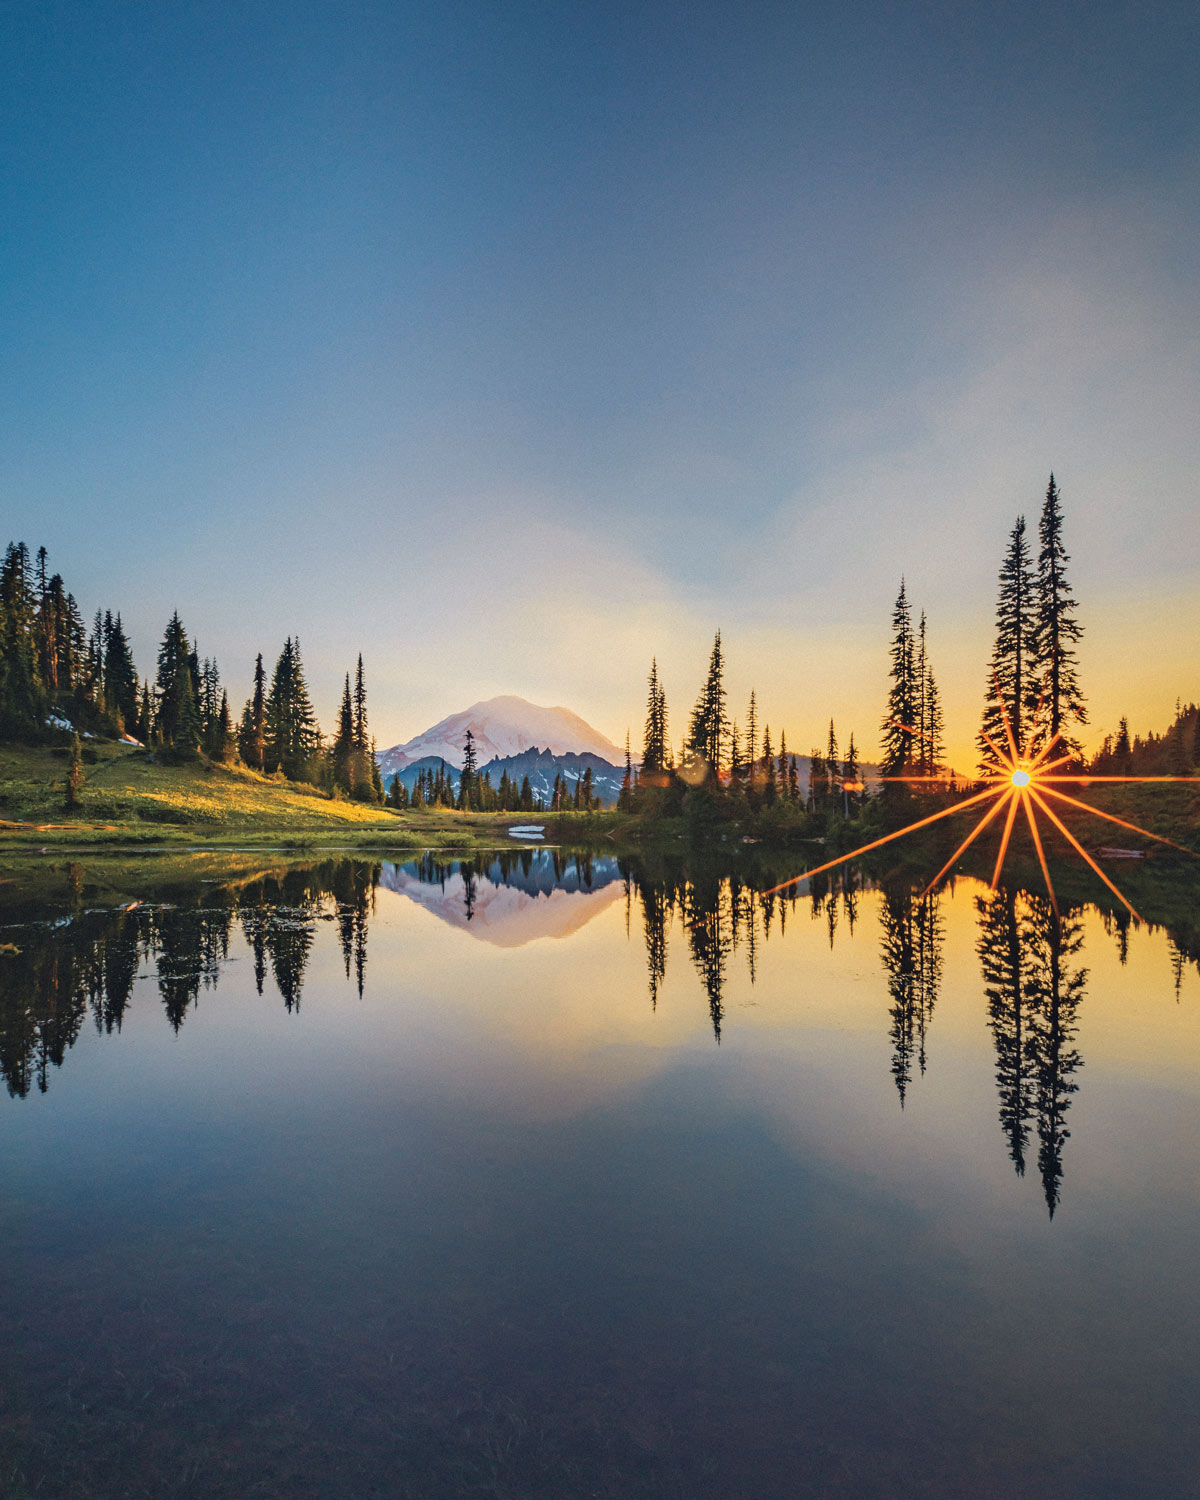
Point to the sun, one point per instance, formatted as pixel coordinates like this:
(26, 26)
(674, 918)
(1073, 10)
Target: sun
(1020, 784)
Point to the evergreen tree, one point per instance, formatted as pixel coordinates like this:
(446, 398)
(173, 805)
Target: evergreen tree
(930, 748)
(1012, 688)
(177, 723)
(344, 742)
(467, 794)
(898, 722)
(709, 723)
(360, 707)
(1122, 750)
(654, 751)
(1057, 633)
(737, 766)
(770, 789)
(818, 780)
(783, 763)
(292, 737)
(831, 762)
(120, 675)
(22, 698)
(625, 796)
(376, 777)
(850, 777)
(752, 739)
(221, 747)
(252, 736)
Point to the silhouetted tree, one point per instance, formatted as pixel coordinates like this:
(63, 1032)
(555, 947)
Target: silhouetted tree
(1011, 697)
(1057, 633)
(898, 720)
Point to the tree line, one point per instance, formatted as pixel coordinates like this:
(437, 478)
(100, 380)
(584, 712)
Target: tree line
(58, 678)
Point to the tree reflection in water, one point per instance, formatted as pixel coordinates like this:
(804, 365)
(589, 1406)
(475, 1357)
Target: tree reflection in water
(913, 936)
(1034, 988)
(84, 961)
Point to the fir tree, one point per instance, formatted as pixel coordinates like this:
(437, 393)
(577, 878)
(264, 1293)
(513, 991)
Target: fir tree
(1057, 633)
(818, 780)
(1012, 689)
(120, 676)
(376, 777)
(770, 788)
(467, 796)
(222, 737)
(360, 707)
(177, 723)
(708, 727)
(1122, 750)
(752, 738)
(292, 736)
(344, 742)
(850, 777)
(625, 795)
(901, 712)
(831, 761)
(253, 733)
(654, 751)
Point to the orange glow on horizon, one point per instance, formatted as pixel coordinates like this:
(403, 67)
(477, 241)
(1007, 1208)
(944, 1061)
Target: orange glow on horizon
(1020, 783)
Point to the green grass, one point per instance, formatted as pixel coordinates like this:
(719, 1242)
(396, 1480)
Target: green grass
(130, 798)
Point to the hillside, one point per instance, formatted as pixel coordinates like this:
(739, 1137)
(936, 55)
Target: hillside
(130, 797)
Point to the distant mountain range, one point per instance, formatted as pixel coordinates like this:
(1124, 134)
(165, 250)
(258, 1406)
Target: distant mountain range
(539, 765)
(516, 736)
(525, 739)
(502, 727)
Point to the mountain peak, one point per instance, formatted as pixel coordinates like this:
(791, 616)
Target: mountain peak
(503, 726)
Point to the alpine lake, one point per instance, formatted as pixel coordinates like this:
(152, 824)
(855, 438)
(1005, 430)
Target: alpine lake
(553, 1173)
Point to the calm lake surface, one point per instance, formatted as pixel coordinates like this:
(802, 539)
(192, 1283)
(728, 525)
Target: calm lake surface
(564, 1177)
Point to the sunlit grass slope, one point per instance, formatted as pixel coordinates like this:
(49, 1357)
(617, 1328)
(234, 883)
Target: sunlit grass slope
(130, 797)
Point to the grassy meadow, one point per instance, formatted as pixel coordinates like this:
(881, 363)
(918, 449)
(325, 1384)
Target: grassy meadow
(129, 798)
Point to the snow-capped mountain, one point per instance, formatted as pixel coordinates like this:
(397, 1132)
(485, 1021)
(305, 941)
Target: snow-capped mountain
(502, 727)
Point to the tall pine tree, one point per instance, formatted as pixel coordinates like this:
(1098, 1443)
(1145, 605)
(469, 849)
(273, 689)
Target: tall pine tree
(1012, 688)
(1057, 634)
(899, 720)
(654, 745)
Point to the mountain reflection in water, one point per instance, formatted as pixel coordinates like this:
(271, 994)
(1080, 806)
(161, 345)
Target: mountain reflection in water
(84, 960)
(541, 1174)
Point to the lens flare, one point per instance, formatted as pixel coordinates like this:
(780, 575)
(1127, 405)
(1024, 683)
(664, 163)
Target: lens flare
(1019, 785)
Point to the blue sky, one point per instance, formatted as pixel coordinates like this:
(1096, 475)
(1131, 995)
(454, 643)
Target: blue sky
(512, 344)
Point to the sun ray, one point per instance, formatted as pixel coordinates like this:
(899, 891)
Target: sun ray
(1046, 749)
(1008, 828)
(1133, 827)
(1049, 766)
(1079, 849)
(996, 750)
(969, 840)
(945, 812)
(1086, 780)
(1008, 729)
(1041, 853)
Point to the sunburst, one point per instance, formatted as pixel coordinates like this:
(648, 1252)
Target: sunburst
(1021, 784)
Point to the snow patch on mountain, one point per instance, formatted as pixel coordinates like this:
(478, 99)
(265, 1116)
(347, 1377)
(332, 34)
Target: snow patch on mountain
(502, 727)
